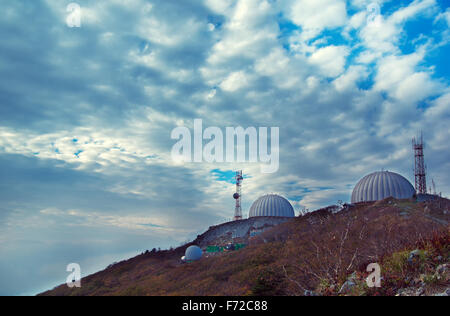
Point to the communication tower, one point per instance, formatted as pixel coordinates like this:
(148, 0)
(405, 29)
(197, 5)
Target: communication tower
(419, 166)
(237, 196)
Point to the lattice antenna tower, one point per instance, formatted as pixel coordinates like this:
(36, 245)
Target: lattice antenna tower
(419, 166)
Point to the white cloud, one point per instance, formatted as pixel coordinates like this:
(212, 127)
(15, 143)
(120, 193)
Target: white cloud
(357, 20)
(99, 150)
(220, 6)
(348, 80)
(81, 218)
(235, 81)
(330, 60)
(247, 33)
(285, 72)
(315, 16)
(382, 37)
(412, 10)
(445, 16)
(397, 75)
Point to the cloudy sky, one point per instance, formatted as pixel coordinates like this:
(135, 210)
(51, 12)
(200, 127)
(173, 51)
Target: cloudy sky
(86, 115)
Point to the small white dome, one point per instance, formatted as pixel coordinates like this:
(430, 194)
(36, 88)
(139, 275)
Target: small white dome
(193, 253)
(380, 185)
(271, 205)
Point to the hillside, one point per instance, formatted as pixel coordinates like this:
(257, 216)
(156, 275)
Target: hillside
(313, 254)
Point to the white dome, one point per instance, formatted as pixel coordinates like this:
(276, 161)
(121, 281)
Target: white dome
(271, 205)
(380, 185)
(193, 253)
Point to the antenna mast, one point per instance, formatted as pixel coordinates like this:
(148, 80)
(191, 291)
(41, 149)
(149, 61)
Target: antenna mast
(419, 166)
(237, 196)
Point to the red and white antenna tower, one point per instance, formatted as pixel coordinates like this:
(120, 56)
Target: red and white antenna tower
(237, 196)
(419, 166)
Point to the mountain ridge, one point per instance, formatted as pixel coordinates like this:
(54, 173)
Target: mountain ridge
(314, 253)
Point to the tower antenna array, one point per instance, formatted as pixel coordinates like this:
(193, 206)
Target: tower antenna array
(238, 195)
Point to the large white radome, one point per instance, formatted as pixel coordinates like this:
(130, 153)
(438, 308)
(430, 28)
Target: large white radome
(380, 185)
(271, 205)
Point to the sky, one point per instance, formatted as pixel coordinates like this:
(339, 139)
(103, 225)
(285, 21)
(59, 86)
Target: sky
(86, 115)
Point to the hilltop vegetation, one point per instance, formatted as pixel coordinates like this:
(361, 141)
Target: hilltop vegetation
(313, 254)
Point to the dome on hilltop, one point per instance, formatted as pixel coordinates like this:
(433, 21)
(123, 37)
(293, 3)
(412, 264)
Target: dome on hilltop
(271, 205)
(380, 185)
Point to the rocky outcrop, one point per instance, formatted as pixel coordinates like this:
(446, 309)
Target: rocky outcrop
(241, 230)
